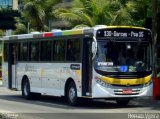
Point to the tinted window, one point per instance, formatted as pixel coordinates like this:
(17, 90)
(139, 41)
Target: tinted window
(34, 51)
(23, 51)
(6, 51)
(45, 50)
(73, 50)
(59, 50)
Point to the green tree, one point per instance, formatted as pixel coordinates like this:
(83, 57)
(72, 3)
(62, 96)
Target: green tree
(85, 12)
(122, 11)
(1, 33)
(109, 12)
(34, 13)
(39, 12)
(7, 20)
(20, 26)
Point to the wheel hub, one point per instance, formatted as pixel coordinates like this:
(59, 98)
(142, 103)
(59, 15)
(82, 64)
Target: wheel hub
(25, 89)
(72, 94)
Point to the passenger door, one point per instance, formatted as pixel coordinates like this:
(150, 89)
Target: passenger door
(12, 59)
(86, 67)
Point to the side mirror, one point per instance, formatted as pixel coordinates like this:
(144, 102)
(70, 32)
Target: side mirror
(94, 47)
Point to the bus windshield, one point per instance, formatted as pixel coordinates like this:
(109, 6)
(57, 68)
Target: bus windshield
(117, 56)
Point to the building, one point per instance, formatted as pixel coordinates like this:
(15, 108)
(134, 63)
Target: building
(6, 3)
(13, 4)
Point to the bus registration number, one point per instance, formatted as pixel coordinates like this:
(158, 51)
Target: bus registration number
(127, 91)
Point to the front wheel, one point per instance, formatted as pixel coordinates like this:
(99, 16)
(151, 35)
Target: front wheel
(26, 89)
(72, 94)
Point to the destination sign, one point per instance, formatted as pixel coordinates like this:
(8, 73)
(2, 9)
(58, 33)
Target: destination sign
(123, 32)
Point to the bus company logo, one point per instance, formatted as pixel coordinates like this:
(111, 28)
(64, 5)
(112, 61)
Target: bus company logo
(75, 66)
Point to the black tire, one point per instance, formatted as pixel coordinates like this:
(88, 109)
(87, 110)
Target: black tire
(122, 102)
(72, 94)
(26, 89)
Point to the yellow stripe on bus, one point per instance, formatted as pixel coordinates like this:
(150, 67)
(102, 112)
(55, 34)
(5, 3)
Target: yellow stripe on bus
(134, 27)
(126, 81)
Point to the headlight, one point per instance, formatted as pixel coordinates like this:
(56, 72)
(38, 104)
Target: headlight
(148, 83)
(101, 82)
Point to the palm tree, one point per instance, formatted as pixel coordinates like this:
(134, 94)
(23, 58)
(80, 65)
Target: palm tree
(48, 6)
(39, 12)
(93, 12)
(122, 12)
(34, 12)
(85, 12)
(20, 26)
(143, 11)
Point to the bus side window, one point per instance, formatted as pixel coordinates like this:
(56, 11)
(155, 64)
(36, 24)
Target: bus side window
(45, 54)
(34, 52)
(70, 51)
(59, 50)
(6, 46)
(73, 50)
(23, 51)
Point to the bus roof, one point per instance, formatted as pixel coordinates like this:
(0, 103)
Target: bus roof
(65, 32)
(49, 34)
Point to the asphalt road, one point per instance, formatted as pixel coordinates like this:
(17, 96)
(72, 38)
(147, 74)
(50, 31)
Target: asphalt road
(48, 107)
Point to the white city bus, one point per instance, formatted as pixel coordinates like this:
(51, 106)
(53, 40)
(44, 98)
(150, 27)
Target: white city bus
(106, 62)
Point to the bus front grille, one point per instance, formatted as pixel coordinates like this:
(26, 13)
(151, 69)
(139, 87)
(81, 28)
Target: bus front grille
(130, 92)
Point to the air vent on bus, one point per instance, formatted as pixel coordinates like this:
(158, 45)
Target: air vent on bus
(121, 92)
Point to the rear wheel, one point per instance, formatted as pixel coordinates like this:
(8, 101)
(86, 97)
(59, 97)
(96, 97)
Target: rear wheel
(72, 94)
(123, 102)
(26, 89)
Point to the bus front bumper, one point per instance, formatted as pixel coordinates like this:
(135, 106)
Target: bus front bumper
(100, 91)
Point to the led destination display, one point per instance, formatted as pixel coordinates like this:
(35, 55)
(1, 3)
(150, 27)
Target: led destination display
(119, 32)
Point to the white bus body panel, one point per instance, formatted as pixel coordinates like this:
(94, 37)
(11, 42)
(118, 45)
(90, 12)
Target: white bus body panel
(14, 82)
(49, 78)
(103, 91)
(5, 74)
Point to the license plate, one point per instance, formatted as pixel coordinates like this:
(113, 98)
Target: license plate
(127, 91)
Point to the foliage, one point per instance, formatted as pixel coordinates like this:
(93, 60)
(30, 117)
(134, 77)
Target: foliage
(109, 12)
(1, 33)
(81, 13)
(21, 26)
(34, 13)
(85, 12)
(39, 12)
(7, 20)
